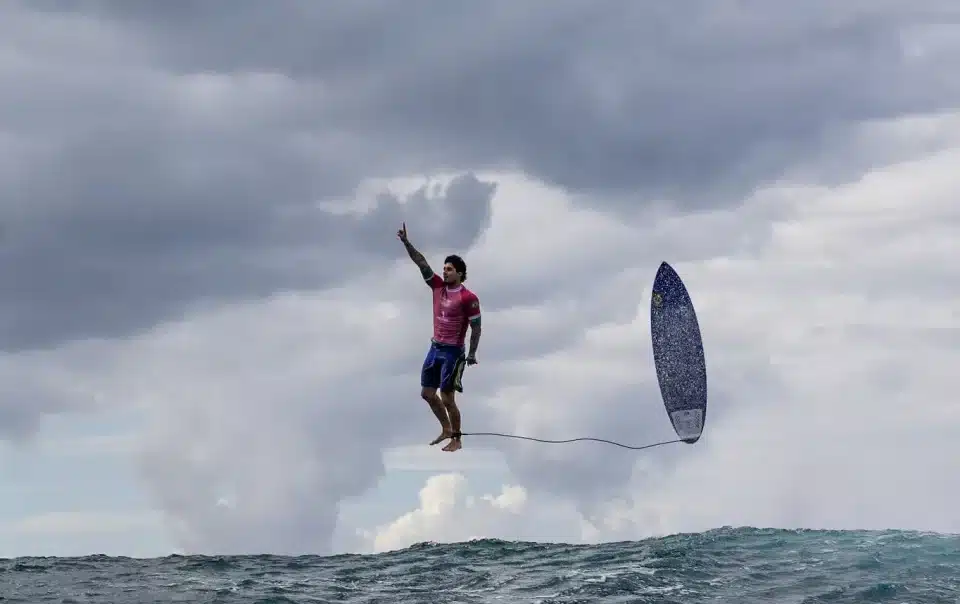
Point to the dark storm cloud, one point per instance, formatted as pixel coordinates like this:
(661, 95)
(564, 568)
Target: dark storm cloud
(130, 193)
(157, 153)
(110, 229)
(611, 95)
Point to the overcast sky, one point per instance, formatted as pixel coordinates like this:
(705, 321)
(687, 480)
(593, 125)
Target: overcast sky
(211, 337)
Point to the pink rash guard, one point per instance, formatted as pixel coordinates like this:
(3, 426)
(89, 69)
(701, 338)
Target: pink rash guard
(453, 309)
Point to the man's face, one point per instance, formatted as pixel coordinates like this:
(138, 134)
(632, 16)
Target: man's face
(449, 273)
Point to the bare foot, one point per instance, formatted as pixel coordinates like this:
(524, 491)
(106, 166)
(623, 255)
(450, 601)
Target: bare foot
(453, 445)
(443, 436)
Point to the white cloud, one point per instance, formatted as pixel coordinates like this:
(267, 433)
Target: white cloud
(448, 513)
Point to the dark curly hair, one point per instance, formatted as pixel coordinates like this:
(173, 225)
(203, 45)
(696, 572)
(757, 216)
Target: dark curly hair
(458, 264)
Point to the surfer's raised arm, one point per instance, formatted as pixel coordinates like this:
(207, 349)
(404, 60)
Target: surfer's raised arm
(416, 256)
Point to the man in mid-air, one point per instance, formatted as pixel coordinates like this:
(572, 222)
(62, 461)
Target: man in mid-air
(454, 308)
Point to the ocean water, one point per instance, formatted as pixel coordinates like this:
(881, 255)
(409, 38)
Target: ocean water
(739, 565)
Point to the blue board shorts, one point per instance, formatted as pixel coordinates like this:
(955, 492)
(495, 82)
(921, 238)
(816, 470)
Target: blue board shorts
(443, 367)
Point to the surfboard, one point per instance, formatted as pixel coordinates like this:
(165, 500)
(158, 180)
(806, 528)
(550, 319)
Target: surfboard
(678, 354)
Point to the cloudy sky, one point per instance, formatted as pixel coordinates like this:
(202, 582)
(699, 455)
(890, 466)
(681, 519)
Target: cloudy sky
(211, 337)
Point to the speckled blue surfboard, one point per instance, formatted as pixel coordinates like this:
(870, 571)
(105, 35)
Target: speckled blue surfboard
(678, 354)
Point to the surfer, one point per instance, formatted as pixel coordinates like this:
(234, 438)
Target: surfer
(454, 308)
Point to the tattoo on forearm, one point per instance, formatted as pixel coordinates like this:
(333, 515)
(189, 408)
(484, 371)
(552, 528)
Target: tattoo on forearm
(474, 339)
(419, 260)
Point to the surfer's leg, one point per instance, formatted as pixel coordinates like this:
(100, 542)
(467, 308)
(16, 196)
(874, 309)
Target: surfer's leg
(430, 376)
(439, 410)
(450, 405)
(450, 384)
